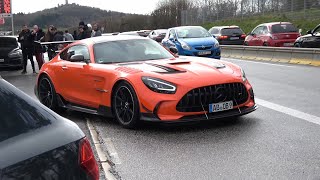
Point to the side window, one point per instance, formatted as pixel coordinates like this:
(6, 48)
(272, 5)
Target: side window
(214, 31)
(265, 30)
(317, 31)
(258, 30)
(172, 34)
(78, 49)
(63, 54)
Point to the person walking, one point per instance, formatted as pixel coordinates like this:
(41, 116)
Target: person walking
(96, 30)
(26, 40)
(38, 35)
(68, 36)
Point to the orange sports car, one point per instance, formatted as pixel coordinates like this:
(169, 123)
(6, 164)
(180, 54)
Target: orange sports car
(135, 79)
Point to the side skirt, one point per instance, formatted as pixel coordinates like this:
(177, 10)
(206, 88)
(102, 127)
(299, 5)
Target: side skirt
(102, 110)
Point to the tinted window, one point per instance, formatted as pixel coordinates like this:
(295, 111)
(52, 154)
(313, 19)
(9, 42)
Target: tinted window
(129, 50)
(214, 31)
(192, 32)
(283, 28)
(231, 31)
(19, 112)
(8, 42)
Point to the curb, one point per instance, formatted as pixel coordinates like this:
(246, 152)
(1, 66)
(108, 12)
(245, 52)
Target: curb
(104, 159)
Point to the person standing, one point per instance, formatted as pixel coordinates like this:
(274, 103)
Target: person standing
(48, 37)
(26, 40)
(96, 30)
(68, 36)
(38, 35)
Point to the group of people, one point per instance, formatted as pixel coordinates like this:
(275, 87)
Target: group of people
(30, 41)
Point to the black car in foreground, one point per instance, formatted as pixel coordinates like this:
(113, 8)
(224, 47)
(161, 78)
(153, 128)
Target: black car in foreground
(228, 35)
(10, 52)
(311, 40)
(36, 143)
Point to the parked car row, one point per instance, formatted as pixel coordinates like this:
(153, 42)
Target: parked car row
(275, 34)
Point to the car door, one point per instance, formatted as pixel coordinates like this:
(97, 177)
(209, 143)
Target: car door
(258, 36)
(76, 77)
(252, 37)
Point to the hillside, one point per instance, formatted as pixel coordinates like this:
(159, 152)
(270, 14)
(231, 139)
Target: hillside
(248, 23)
(69, 16)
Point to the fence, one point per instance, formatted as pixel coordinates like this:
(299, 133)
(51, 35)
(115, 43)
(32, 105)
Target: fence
(215, 10)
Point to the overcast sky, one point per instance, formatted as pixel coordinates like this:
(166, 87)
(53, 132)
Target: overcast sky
(127, 6)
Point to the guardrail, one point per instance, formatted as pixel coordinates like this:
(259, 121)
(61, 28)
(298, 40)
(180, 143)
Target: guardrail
(307, 56)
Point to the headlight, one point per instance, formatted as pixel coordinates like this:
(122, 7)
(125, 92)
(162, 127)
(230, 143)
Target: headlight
(185, 46)
(15, 53)
(243, 75)
(159, 85)
(216, 45)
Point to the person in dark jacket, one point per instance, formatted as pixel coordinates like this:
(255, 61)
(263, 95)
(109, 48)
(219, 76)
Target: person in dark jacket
(38, 35)
(26, 40)
(83, 31)
(48, 37)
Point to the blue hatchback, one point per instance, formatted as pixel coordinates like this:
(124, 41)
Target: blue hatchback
(192, 41)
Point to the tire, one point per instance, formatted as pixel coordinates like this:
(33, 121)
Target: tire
(245, 43)
(125, 106)
(47, 94)
(265, 44)
(297, 45)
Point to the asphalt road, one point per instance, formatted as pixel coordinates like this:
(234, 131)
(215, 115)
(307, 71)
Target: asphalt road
(280, 140)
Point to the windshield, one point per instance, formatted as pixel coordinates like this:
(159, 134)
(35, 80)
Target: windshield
(192, 32)
(283, 28)
(129, 51)
(231, 31)
(8, 42)
(162, 32)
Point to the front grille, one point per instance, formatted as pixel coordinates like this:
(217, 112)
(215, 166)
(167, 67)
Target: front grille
(203, 47)
(191, 102)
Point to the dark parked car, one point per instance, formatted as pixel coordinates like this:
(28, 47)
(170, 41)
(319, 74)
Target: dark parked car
(311, 40)
(36, 143)
(10, 52)
(228, 35)
(158, 34)
(277, 34)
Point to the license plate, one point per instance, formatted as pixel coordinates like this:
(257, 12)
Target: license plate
(287, 44)
(204, 53)
(220, 106)
(234, 38)
(1, 60)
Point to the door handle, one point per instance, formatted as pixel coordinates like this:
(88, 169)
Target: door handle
(64, 67)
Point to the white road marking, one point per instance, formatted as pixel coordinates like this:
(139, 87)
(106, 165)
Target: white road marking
(265, 63)
(289, 111)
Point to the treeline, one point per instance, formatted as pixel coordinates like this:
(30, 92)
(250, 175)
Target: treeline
(69, 16)
(170, 13)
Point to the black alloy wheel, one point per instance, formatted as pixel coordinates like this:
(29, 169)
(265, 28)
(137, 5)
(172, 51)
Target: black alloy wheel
(125, 105)
(47, 94)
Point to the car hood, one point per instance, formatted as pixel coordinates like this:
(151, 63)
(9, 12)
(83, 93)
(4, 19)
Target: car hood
(4, 51)
(199, 41)
(184, 68)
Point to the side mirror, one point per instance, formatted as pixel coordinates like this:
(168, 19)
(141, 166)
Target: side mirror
(77, 58)
(309, 32)
(174, 50)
